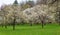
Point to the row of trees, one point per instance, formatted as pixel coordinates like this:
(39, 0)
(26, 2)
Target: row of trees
(11, 14)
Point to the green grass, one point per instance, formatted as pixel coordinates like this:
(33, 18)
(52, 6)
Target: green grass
(51, 29)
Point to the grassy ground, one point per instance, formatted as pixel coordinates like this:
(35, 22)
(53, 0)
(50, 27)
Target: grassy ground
(31, 30)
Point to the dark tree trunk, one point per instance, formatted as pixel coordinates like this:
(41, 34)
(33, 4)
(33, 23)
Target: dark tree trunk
(22, 23)
(42, 24)
(5, 26)
(14, 24)
(30, 24)
(2, 25)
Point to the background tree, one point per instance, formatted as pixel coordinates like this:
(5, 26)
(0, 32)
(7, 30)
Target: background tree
(14, 14)
(15, 2)
(26, 5)
(58, 12)
(4, 14)
(31, 3)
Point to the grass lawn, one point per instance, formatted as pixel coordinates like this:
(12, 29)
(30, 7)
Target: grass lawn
(31, 30)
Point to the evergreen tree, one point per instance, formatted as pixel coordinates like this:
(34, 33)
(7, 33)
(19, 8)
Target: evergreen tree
(15, 2)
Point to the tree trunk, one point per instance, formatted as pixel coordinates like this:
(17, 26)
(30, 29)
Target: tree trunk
(5, 26)
(14, 24)
(42, 24)
(5, 22)
(30, 24)
(2, 25)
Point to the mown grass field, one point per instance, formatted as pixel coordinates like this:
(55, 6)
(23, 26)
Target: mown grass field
(50, 29)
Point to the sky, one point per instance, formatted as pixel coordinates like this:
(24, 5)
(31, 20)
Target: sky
(2, 2)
